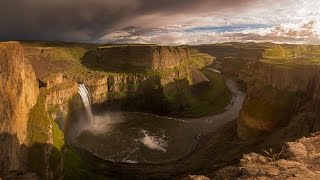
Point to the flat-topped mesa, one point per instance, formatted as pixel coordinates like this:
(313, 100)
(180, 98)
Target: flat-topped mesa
(140, 57)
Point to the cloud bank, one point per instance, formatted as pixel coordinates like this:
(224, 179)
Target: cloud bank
(161, 21)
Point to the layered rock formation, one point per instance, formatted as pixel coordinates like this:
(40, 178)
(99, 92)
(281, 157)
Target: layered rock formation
(118, 86)
(275, 94)
(143, 57)
(111, 87)
(59, 91)
(291, 77)
(18, 95)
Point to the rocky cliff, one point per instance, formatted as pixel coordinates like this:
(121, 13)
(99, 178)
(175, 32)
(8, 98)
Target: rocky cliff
(114, 86)
(31, 141)
(18, 95)
(276, 93)
(291, 77)
(111, 87)
(136, 57)
(46, 147)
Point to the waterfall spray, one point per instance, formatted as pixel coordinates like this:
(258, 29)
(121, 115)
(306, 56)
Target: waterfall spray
(85, 96)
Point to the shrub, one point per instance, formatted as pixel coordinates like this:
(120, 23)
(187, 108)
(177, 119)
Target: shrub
(275, 52)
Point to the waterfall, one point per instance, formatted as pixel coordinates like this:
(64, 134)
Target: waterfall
(85, 96)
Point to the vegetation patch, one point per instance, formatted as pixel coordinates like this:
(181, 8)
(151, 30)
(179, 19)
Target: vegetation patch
(271, 106)
(77, 168)
(298, 54)
(206, 98)
(200, 60)
(41, 151)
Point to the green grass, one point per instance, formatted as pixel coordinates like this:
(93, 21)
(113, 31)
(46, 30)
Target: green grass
(271, 106)
(212, 98)
(68, 52)
(200, 60)
(293, 54)
(182, 68)
(76, 168)
(63, 53)
(268, 109)
(39, 125)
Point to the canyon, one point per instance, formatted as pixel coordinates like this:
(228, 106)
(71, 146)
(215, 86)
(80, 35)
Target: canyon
(40, 104)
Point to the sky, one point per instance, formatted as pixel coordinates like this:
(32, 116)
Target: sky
(166, 22)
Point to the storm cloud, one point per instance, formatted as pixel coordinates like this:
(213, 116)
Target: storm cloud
(138, 21)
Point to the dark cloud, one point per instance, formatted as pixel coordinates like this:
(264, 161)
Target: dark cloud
(88, 20)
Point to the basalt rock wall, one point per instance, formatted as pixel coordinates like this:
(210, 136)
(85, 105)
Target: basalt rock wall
(277, 93)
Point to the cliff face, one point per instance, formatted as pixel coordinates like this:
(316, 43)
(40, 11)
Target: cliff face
(117, 86)
(17, 96)
(283, 77)
(46, 150)
(59, 91)
(110, 87)
(275, 94)
(168, 57)
(140, 57)
(28, 133)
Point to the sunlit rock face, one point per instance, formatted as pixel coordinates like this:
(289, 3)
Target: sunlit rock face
(297, 160)
(19, 91)
(275, 95)
(59, 91)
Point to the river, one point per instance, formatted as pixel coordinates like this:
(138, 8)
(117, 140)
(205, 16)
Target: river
(145, 138)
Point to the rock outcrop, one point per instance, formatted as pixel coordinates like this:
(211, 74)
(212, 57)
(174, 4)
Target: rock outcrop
(18, 95)
(290, 77)
(110, 87)
(275, 94)
(143, 57)
(297, 160)
(28, 133)
(59, 92)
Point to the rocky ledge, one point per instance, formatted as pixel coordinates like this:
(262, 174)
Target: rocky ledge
(297, 160)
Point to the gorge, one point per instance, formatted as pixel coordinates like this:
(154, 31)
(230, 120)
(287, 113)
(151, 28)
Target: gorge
(90, 111)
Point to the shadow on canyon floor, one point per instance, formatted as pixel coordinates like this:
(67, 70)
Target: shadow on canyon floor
(43, 161)
(217, 150)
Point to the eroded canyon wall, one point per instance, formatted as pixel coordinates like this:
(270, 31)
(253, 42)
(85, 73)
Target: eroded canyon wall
(18, 95)
(276, 94)
(118, 86)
